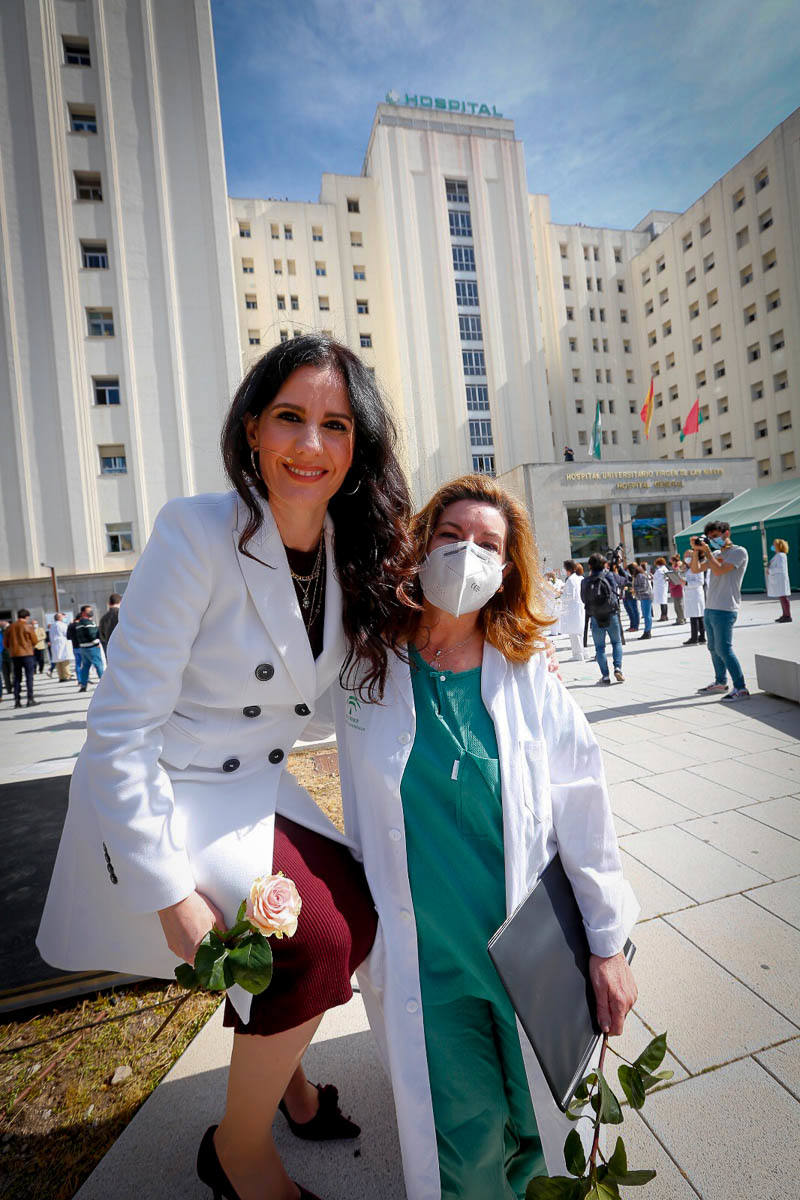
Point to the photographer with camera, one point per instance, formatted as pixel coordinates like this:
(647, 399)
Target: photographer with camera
(600, 597)
(726, 564)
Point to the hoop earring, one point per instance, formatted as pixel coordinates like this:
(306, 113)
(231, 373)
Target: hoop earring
(253, 462)
(355, 489)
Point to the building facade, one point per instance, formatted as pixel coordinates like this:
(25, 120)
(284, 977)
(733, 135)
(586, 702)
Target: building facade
(118, 335)
(578, 509)
(496, 333)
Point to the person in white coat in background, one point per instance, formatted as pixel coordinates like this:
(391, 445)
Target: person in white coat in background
(459, 789)
(573, 614)
(661, 588)
(242, 611)
(61, 648)
(778, 585)
(694, 601)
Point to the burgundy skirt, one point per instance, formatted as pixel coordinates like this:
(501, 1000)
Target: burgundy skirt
(335, 932)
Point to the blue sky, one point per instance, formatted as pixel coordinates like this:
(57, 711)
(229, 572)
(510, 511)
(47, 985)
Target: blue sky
(622, 107)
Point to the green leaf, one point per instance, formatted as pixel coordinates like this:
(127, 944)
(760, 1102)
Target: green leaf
(186, 977)
(603, 1190)
(650, 1081)
(251, 964)
(574, 1155)
(617, 1169)
(557, 1187)
(209, 965)
(610, 1111)
(632, 1084)
(236, 931)
(653, 1054)
(241, 912)
(582, 1090)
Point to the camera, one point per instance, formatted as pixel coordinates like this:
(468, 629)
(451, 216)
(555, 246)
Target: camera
(700, 540)
(614, 556)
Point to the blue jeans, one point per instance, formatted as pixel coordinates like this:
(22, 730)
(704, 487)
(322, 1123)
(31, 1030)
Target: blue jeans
(599, 638)
(85, 659)
(632, 609)
(647, 612)
(719, 636)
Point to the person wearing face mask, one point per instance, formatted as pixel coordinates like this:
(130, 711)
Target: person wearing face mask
(726, 565)
(778, 579)
(694, 599)
(459, 788)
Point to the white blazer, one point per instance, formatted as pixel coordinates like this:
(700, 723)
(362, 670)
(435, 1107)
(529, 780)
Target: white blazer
(210, 681)
(694, 597)
(778, 575)
(554, 798)
(572, 611)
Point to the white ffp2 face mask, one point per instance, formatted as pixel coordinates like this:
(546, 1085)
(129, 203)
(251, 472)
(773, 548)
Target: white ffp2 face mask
(460, 577)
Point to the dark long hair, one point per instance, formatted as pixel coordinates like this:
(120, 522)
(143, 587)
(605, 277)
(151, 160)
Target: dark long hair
(370, 512)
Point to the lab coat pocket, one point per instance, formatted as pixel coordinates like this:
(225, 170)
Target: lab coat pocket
(535, 777)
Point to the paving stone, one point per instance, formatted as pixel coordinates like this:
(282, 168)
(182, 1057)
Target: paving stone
(654, 894)
(777, 763)
(755, 738)
(700, 795)
(645, 809)
(699, 870)
(653, 757)
(645, 1152)
(690, 747)
(619, 769)
(622, 733)
(735, 1132)
(758, 948)
(679, 990)
(622, 827)
(782, 898)
(784, 1063)
(782, 814)
(750, 842)
(744, 777)
(658, 723)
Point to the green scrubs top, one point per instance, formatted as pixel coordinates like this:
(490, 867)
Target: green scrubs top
(453, 814)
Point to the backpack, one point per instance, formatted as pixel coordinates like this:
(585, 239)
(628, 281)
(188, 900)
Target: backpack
(599, 599)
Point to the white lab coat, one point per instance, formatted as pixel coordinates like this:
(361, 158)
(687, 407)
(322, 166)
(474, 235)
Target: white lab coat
(694, 597)
(553, 605)
(554, 798)
(778, 576)
(660, 586)
(176, 787)
(572, 610)
(60, 645)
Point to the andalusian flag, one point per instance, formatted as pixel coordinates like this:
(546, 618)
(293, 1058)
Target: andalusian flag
(647, 410)
(597, 434)
(693, 421)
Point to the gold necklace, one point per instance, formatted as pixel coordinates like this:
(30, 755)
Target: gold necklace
(309, 584)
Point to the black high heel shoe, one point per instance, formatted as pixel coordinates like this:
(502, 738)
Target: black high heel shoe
(211, 1173)
(328, 1123)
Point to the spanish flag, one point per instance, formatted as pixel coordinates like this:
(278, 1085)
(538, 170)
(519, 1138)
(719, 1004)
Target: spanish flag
(647, 410)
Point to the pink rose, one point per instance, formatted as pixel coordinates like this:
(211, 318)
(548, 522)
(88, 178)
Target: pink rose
(274, 905)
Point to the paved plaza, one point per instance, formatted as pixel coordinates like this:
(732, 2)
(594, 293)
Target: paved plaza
(707, 804)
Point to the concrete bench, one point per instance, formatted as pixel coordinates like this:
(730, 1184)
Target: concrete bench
(780, 676)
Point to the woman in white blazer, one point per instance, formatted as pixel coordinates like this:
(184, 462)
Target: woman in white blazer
(242, 611)
(661, 588)
(459, 789)
(778, 585)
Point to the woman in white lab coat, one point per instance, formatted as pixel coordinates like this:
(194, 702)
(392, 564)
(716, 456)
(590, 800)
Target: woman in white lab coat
(694, 602)
(240, 614)
(573, 614)
(778, 584)
(459, 789)
(661, 588)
